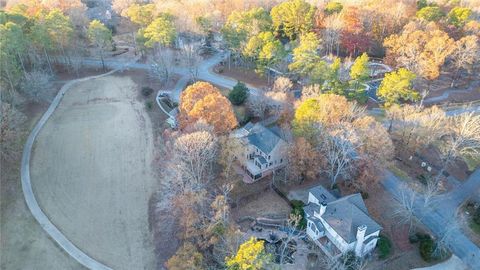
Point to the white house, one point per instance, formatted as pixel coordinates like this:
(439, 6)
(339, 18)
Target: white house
(343, 222)
(264, 150)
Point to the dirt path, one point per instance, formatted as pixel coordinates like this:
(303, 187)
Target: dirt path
(91, 172)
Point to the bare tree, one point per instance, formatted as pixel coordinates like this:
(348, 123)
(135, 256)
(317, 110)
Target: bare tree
(462, 140)
(36, 84)
(465, 54)
(10, 130)
(193, 156)
(293, 233)
(447, 235)
(231, 149)
(191, 59)
(430, 190)
(404, 211)
(164, 59)
(282, 84)
(340, 151)
(257, 105)
(346, 261)
(311, 91)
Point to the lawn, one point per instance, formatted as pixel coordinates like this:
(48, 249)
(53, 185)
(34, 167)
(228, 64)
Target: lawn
(475, 227)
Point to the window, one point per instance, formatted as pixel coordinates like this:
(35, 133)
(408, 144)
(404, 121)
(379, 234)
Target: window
(268, 157)
(270, 164)
(281, 160)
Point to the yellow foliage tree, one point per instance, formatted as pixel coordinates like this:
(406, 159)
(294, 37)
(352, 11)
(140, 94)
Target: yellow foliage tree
(250, 256)
(202, 100)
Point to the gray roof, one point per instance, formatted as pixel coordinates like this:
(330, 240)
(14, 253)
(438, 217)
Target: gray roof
(262, 137)
(322, 195)
(262, 159)
(346, 214)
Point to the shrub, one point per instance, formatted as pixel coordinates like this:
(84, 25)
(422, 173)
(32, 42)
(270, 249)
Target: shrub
(149, 105)
(298, 210)
(146, 91)
(476, 216)
(426, 248)
(413, 238)
(239, 94)
(384, 247)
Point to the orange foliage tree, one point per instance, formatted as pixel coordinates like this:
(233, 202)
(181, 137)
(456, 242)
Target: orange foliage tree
(202, 100)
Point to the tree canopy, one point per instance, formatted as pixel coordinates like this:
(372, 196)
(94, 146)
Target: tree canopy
(293, 18)
(397, 86)
(250, 256)
(161, 31)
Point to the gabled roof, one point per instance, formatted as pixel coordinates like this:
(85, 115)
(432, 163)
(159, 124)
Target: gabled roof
(322, 195)
(261, 137)
(346, 214)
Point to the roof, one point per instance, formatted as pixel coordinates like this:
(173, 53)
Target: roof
(322, 195)
(261, 137)
(346, 214)
(262, 160)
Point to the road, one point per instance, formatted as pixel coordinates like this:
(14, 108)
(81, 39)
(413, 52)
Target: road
(439, 217)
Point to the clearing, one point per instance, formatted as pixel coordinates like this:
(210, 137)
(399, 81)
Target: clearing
(92, 172)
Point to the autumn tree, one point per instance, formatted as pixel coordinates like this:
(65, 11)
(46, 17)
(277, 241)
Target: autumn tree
(353, 36)
(458, 16)
(293, 18)
(464, 56)
(142, 15)
(333, 7)
(202, 100)
(101, 37)
(327, 110)
(397, 86)
(187, 257)
(282, 85)
(303, 160)
(430, 13)
(250, 256)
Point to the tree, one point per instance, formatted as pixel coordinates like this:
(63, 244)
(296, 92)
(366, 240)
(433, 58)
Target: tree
(305, 56)
(142, 15)
(430, 13)
(187, 257)
(11, 121)
(436, 50)
(465, 54)
(202, 100)
(360, 72)
(333, 7)
(193, 156)
(60, 29)
(231, 149)
(101, 37)
(354, 39)
(327, 110)
(303, 160)
(241, 26)
(332, 33)
(250, 256)
(282, 85)
(161, 31)
(340, 148)
(257, 105)
(405, 210)
(265, 50)
(293, 18)
(239, 94)
(458, 16)
(397, 86)
(36, 84)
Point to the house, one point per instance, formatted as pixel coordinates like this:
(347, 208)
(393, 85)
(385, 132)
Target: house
(340, 225)
(265, 150)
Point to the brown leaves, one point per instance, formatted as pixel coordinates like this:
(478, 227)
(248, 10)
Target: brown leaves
(204, 101)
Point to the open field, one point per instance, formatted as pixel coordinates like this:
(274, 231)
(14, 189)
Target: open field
(91, 172)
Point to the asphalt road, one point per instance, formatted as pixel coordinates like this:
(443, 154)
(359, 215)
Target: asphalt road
(441, 215)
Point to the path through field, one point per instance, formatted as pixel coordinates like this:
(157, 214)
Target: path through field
(92, 174)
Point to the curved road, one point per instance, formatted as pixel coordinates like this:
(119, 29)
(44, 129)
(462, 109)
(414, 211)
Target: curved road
(30, 199)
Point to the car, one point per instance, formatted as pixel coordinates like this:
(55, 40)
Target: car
(163, 94)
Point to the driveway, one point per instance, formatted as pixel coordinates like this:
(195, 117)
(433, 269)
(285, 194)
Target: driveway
(438, 218)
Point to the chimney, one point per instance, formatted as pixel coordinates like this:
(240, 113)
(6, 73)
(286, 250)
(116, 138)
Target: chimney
(323, 207)
(361, 230)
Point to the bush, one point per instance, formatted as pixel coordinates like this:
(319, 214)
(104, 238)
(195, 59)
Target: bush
(426, 248)
(413, 239)
(476, 216)
(298, 210)
(146, 91)
(384, 247)
(149, 105)
(239, 94)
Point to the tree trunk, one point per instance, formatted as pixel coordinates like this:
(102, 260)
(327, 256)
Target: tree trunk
(48, 60)
(21, 63)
